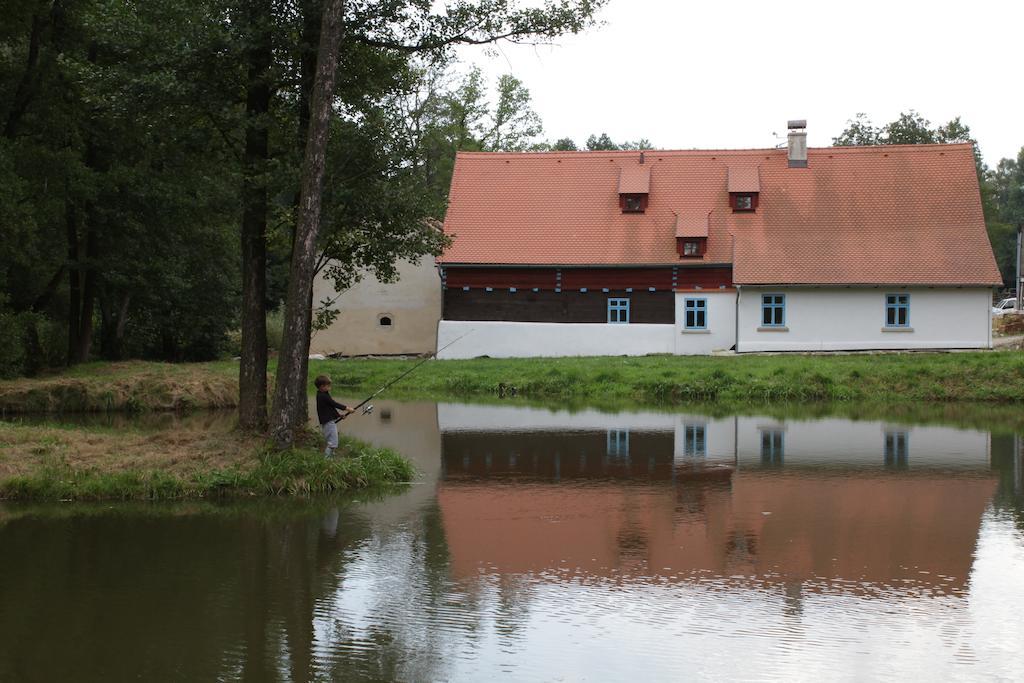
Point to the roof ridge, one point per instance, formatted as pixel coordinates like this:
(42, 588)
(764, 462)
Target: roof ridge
(847, 149)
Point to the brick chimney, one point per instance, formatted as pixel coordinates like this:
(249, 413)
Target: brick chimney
(797, 143)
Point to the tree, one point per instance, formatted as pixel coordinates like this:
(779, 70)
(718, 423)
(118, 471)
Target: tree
(564, 145)
(292, 362)
(859, 131)
(114, 154)
(909, 129)
(604, 143)
(1006, 183)
(390, 30)
(259, 92)
(513, 123)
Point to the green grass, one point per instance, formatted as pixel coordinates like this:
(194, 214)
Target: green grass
(297, 472)
(131, 386)
(673, 380)
(991, 377)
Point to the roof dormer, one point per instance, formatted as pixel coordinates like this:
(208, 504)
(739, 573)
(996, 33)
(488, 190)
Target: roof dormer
(634, 187)
(744, 188)
(692, 233)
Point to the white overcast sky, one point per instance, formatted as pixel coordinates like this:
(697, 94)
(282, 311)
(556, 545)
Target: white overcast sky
(729, 74)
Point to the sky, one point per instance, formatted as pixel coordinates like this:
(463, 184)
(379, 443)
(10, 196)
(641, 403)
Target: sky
(705, 74)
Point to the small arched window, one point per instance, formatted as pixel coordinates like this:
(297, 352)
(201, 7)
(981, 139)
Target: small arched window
(385, 321)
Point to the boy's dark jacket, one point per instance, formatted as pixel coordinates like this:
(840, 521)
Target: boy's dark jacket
(327, 408)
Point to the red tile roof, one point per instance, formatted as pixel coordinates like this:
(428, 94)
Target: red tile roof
(693, 223)
(744, 178)
(899, 214)
(634, 179)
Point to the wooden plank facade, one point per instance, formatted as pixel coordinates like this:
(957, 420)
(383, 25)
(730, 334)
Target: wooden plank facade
(547, 306)
(659, 277)
(570, 295)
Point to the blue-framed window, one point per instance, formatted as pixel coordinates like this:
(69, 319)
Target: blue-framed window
(618, 310)
(618, 442)
(773, 310)
(696, 314)
(896, 449)
(773, 443)
(897, 310)
(694, 441)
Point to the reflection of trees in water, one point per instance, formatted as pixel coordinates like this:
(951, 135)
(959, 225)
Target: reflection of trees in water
(239, 593)
(1008, 462)
(409, 591)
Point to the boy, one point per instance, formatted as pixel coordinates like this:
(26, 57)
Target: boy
(327, 412)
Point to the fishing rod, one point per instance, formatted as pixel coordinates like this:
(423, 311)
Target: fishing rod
(369, 408)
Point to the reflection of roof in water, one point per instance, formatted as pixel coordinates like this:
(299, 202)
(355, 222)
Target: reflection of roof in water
(875, 528)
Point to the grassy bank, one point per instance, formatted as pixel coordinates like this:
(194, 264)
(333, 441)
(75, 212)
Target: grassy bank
(981, 376)
(131, 386)
(79, 463)
(993, 377)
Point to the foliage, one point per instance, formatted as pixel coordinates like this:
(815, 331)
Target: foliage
(123, 142)
(603, 142)
(123, 203)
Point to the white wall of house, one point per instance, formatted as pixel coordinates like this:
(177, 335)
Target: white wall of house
(412, 304)
(700, 439)
(839, 442)
(527, 340)
(850, 319)
(720, 333)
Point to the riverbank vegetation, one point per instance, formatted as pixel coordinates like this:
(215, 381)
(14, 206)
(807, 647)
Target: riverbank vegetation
(131, 386)
(990, 377)
(978, 376)
(44, 462)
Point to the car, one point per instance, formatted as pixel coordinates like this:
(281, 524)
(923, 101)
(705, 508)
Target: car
(1005, 306)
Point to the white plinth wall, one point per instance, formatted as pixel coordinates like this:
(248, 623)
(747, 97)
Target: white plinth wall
(526, 340)
(853, 319)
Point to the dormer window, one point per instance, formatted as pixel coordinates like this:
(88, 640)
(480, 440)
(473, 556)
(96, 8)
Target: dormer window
(743, 201)
(744, 186)
(633, 203)
(692, 233)
(634, 187)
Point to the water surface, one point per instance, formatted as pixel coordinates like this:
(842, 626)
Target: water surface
(553, 545)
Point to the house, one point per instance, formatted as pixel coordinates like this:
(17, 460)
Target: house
(693, 252)
(880, 510)
(376, 318)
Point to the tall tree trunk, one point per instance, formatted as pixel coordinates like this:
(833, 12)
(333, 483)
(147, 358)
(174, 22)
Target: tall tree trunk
(113, 318)
(85, 328)
(23, 94)
(311, 18)
(291, 378)
(74, 281)
(252, 373)
(300, 406)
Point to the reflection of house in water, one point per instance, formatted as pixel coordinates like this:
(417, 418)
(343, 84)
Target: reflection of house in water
(527, 490)
(505, 441)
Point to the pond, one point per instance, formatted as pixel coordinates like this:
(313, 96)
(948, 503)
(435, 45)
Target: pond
(553, 545)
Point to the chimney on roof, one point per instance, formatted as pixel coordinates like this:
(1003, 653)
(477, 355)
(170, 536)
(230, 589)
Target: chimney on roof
(641, 157)
(797, 143)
